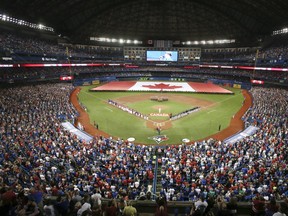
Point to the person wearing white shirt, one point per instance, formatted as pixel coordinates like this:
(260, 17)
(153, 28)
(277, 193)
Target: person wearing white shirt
(96, 197)
(85, 207)
(201, 202)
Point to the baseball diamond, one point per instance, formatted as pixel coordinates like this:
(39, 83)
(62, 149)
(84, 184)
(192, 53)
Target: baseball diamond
(183, 111)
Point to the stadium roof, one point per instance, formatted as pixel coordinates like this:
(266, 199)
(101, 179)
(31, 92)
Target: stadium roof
(154, 19)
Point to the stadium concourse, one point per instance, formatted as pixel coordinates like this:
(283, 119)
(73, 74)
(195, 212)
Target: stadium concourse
(40, 160)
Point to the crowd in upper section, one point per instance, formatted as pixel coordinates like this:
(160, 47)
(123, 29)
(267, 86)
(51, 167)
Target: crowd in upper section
(19, 48)
(15, 45)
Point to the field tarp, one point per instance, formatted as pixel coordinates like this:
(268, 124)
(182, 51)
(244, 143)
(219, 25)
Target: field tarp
(249, 131)
(80, 134)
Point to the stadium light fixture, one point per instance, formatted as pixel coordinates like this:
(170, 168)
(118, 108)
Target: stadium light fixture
(16, 21)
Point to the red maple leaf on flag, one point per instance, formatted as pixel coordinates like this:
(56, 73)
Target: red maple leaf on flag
(161, 86)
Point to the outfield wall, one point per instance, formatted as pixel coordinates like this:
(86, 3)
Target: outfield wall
(231, 83)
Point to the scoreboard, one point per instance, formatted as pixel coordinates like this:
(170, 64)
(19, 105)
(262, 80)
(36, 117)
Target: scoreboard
(183, 54)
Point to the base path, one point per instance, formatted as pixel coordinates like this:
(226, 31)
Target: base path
(235, 126)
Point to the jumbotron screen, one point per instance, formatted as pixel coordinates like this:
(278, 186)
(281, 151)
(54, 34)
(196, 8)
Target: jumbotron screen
(171, 56)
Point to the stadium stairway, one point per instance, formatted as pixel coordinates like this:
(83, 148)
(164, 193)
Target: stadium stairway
(158, 183)
(158, 167)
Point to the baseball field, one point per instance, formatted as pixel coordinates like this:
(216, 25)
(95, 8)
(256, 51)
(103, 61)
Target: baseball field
(146, 116)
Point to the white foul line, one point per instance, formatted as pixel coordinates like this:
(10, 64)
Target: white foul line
(108, 109)
(211, 111)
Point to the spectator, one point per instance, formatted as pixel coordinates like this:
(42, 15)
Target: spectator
(221, 206)
(86, 206)
(282, 210)
(129, 210)
(258, 206)
(31, 208)
(271, 207)
(161, 209)
(62, 204)
(232, 207)
(200, 207)
(49, 209)
(211, 203)
(121, 205)
(96, 197)
(111, 209)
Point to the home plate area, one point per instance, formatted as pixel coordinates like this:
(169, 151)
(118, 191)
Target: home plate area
(162, 125)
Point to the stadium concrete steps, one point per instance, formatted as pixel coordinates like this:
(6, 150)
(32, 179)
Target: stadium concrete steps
(158, 184)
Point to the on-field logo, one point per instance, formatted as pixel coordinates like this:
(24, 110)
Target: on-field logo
(159, 138)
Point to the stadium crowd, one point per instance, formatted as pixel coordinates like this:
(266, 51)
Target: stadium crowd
(256, 164)
(38, 158)
(13, 43)
(20, 44)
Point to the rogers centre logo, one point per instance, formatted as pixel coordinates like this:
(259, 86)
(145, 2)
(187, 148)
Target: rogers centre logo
(161, 86)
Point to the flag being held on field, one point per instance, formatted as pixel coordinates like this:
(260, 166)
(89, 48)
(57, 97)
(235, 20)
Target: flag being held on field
(161, 86)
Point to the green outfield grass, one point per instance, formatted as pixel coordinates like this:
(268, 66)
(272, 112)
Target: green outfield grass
(195, 126)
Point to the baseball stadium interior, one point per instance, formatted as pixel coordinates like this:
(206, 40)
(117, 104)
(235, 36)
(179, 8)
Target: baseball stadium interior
(51, 165)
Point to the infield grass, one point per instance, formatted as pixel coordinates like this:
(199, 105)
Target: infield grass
(197, 125)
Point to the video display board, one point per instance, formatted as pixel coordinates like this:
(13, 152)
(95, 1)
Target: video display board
(171, 56)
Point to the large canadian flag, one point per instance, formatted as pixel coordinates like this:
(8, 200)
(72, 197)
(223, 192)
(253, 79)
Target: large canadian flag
(162, 86)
